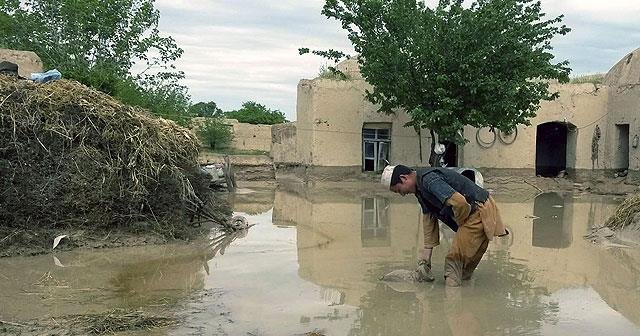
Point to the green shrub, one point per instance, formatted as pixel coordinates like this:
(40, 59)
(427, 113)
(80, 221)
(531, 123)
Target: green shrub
(166, 99)
(215, 133)
(593, 79)
(329, 72)
(254, 113)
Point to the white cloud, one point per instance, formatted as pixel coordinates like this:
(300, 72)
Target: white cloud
(242, 50)
(239, 50)
(185, 5)
(609, 11)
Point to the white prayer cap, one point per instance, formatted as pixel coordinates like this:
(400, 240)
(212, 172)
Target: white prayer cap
(387, 173)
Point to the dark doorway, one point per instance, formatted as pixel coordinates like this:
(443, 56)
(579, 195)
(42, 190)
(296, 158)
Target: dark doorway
(622, 152)
(551, 228)
(551, 149)
(450, 157)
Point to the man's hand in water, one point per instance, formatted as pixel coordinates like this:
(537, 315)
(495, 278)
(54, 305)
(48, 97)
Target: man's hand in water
(423, 271)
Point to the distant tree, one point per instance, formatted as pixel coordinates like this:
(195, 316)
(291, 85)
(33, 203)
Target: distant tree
(208, 110)
(479, 63)
(215, 133)
(254, 113)
(97, 42)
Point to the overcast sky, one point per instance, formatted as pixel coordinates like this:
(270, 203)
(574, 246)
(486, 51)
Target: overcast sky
(239, 50)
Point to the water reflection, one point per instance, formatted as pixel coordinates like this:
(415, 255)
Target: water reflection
(552, 227)
(375, 222)
(93, 281)
(313, 262)
(253, 201)
(515, 285)
(142, 282)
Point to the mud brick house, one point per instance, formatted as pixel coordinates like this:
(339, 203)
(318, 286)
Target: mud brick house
(591, 130)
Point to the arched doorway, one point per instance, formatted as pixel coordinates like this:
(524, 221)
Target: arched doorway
(555, 145)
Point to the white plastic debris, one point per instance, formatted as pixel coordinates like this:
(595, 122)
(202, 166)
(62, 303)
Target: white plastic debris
(57, 240)
(57, 262)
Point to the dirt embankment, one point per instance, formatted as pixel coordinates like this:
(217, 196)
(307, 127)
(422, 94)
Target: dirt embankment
(76, 161)
(245, 167)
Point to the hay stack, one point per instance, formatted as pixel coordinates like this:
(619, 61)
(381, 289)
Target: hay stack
(70, 155)
(627, 215)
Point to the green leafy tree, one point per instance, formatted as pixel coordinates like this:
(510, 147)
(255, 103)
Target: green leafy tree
(254, 113)
(208, 110)
(98, 42)
(163, 96)
(215, 133)
(485, 63)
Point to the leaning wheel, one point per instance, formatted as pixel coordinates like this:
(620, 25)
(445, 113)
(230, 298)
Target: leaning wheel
(508, 138)
(487, 138)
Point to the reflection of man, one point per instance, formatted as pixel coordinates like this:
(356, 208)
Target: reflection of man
(460, 317)
(466, 208)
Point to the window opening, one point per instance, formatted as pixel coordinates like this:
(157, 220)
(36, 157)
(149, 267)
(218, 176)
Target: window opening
(375, 148)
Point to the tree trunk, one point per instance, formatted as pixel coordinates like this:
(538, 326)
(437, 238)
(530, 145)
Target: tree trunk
(419, 132)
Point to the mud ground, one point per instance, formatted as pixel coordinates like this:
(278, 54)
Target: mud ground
(34, 241)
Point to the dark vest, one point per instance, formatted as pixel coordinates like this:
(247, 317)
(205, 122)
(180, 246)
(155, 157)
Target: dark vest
(430, 204)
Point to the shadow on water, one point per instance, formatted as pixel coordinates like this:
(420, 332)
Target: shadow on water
(313, 260)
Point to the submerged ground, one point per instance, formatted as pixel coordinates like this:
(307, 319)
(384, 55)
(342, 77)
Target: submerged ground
(312, 262)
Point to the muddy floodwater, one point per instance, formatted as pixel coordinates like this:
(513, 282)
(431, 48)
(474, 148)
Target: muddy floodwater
(312, 262)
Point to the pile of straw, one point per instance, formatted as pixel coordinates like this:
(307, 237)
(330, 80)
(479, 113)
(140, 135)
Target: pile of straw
(627, 215)
(119, 320)
(70, 155)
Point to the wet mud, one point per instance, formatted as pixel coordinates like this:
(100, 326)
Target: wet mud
(312, 265)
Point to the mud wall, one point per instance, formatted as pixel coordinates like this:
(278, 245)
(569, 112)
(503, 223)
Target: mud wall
(304, 122)
(624, 108)
(284, 138)
(331, 115)
(582, 106)
(245, 167)
(250, 137)
(245, 136)
(600, 119)
(27, 61)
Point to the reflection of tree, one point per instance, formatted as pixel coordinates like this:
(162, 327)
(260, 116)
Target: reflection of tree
(518, 306)
(502, 300)
(153, 279)
(163, 279)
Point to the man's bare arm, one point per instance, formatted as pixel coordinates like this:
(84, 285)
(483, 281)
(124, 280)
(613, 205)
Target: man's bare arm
(431, 233)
